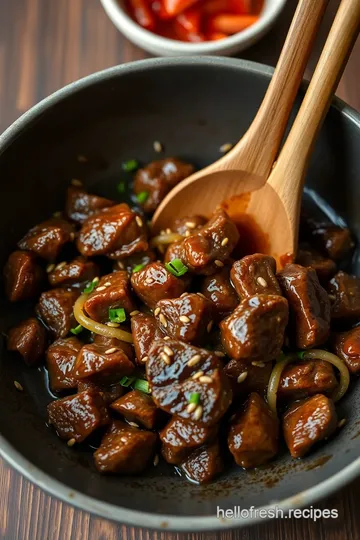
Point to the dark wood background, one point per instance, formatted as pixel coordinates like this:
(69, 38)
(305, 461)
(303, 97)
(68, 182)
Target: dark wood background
(45, 44)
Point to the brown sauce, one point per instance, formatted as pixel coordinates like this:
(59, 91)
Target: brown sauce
(318, 462)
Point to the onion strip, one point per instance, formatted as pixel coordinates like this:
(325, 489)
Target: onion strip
(318, 354)
(274, 380)
(165, 239)
(96, 327)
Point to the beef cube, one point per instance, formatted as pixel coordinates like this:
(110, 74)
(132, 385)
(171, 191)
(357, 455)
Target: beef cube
(29, 339)
(97, 363)
(255, 330)
(155, 283)
(23, 276)
(255, 274)
(205, 252)
(305, 379)
(309, 306)
(112, 292)
(60, 360)
(174, 251)
(188, 318)
(246, 378)
(80, 204)
(324, 267)
(76, 417)
(180, 437)
(188, 225)
(48, 238)
(204, 463)
(124, 449)
(176, 370)
(307, 422)
(158, 178)
(220, 291)
(76, 273)
(109, 393)
(116, 232)
(333, 241)
(347, 347)
(56, 310)
(145, 331)
(253, 434)
(344, 293)
(136, 262)
(109, 342)
(137, 407)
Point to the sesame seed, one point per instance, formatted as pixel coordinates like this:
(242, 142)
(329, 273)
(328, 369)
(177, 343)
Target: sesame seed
(205, 379)
(113, 324)
(102, 288)
(184, 319)
(163, 320)
(158, 147)
(107, 284)
(50, 268)
(82, 159)
(139, 221)
(96, 280)
(201, 295)
(148, 281)
(332, 297)
(241, 378)
(341, 423)
(72, 236)
(135, 312)
(219, 263)
(183, 294)
(225, 241)
(198, 374)
(133, 424)
(261, 281)
(278, 319)
(60, 265)
(71, 442)
(168, 231)
(191, 408)
(166, 338)
(120, 265)
(198, 412)
(209, 326)
(258, 364)
(144, 359)
(112, 350)
(194, 360)
(225, 147)
(168, 351)
(123, 439)
(76, 182)
(18, 386)
(156, 460)
(188, 233)
(219, 354)
(157, 311)
(165, 358)
(190, 224)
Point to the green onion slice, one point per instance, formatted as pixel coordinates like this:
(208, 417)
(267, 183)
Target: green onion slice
(142, 196)
(194, 398)
(90, 287)
(121, 187)
(131, 165)
(176, 267)
(77, 330)
(142, 385)
(127, 381)
(117, 315)
(138, 267)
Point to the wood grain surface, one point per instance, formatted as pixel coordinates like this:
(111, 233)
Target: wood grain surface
(45, 44)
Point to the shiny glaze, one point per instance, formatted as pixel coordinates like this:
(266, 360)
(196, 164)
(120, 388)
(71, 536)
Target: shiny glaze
(76, 273)
(255, 274)
(56, 310)
(155, 283)
(80, 204)
(48, 238)
(115, 294)
(345, 290)
(220, 291)
(307, 378)
(145, 331)
(23, 276)
(95, 363)
(347, 347)
(29, 339)
(135, 406)
(60, 359)
(204, 463)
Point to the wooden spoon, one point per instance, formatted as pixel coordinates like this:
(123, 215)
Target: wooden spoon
(276, 206)
(252, 158)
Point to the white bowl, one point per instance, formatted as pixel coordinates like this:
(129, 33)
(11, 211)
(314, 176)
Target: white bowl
(162, 46)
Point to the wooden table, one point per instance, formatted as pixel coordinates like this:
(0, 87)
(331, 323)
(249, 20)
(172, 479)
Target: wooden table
(45, 44)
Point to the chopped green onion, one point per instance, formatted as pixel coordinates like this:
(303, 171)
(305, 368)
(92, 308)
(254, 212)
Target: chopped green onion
(194, 398)
(176, 267)
(300, 354)
(142, 385)
(121, 187)
(77, 330)
(131, 165)
(127, 381)
(117, 315)
(142, 196)
(90, 287)
(138, 267)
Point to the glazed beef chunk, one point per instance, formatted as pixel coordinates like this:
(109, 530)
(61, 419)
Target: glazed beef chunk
(253, 434)
(76, 417)
(158, 178)
(324, 267)
(124, 449)
(80, 204)
(116, 232)
(29, 339)
(255, 274)
(112, 292)
(137, 407)
(347, 346)
(307, 422)
(155, 283)
(110, 342)
(23, 276)
(136, 262)
(145, 331)
(188, 225)
(305, 379)
(255, 330)
(76, 273)
(180, 437)
(246, 378)
(60, 360)
(204, 463)
(188, 318)
(176, 370)
(344, 293)
(220, 291)
(48, 238)
(309, 306)
(56, 310)
(333, 241)
(102, 365)
(109, 393)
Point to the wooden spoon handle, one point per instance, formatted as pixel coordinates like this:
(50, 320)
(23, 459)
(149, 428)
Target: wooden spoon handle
(260, 145)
